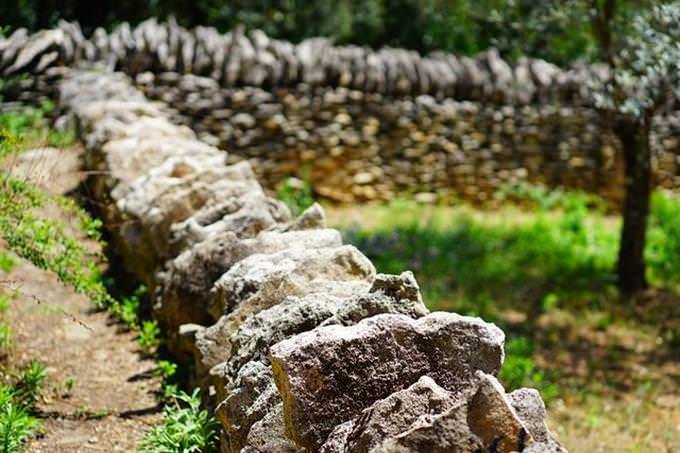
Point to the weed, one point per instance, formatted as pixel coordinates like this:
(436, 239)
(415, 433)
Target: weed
(128, 310)
(5, 303)
(296, 194)
(165, 369)
(31, 379)
(7, 262)
(16, 423)
(6, 335)
(185, 427)
(149, 335)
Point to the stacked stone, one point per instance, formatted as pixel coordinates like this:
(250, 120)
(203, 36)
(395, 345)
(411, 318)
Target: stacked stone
(254, 59)
(357, 146)
(297, 340)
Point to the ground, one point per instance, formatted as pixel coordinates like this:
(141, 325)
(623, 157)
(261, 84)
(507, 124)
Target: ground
(100, 394)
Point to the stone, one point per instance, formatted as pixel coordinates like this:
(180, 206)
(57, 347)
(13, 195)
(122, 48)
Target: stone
(251, 342)
(389, 417)
(296, 267)
(267, 435)
(330, 374)
(184, 293)
(425, 417)
(244, 216)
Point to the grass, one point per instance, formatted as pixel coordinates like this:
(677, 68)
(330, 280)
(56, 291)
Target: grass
(17, 406)
(519, 266)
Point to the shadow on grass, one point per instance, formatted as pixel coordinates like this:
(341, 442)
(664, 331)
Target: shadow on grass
(528, 272)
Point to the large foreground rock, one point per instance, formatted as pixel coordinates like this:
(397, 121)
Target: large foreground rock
(250, 285)
(427, 418)
(247, 388)
(329, 375)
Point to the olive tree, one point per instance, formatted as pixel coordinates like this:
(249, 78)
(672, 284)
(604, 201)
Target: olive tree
(644, 81)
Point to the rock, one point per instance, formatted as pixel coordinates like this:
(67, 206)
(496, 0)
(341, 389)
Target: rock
(424, 417)
(184, 293)
(329, 375)
(494, 421)
(170, 194)
(530, 409)
(244, 216)
(389, 417)
(251, 342)
(295, 268)
(267, 435)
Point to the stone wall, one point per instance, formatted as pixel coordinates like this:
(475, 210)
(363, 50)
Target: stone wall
(292, 335)
(360, 124)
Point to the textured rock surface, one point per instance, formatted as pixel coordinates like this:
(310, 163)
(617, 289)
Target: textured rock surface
(389, 417)
(329, 375)
(425, 417)
(251, 342)
(185, 289)
(250, 285)
(367, 124)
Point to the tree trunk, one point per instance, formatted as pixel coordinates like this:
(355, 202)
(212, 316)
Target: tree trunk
(634, 136)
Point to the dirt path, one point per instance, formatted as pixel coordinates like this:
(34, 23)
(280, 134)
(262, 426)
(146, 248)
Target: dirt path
(100, 392)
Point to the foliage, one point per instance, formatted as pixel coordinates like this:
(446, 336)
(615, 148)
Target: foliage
(552, 29)
(16, 404)
(465, 262)
(647, 67)
(296, 194)
(663, 239)
(519, 369)
(185, 428)
(149, 335)
(31, 379)
(6, 262)
(6, 335)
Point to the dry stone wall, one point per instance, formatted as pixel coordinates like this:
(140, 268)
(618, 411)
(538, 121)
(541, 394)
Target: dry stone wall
(295, 339)
(360, 124)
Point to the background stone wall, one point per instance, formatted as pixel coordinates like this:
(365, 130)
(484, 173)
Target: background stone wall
(361, 124)
(358, 146)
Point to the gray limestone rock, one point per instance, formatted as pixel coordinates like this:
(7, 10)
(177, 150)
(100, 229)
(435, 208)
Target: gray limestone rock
(329, 375)
(184, 293)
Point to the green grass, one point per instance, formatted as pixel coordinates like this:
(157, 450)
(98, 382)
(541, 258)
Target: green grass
(558, 255)
(185, 428)
(17, 404)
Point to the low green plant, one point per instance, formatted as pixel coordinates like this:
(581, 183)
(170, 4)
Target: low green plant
(663, 239)
(519, 369)
(296, 194)
(149, 335)
(6, 336)
(31, 380)
(165, 369)
(185, 428)
(128, 309)
(16, 422)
